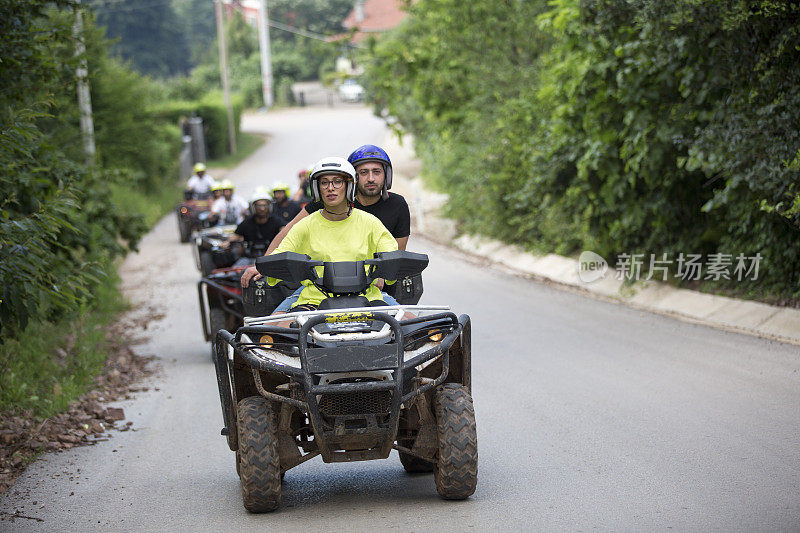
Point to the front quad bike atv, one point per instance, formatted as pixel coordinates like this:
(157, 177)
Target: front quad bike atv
(350, 382)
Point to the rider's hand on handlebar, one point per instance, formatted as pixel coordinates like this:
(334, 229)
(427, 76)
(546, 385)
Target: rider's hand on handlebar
(247, 275)
(379, 283)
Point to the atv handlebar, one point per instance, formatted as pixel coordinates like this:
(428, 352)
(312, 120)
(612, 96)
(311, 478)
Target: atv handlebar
(342, 277)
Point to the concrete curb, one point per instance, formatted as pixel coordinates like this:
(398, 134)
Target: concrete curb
(753, 318)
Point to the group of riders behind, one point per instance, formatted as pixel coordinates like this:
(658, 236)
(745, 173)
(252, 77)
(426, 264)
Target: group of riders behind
(342, 211)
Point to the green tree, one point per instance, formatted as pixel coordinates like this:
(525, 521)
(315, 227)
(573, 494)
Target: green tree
(58, 225)
(196, 19)
(319, 16)
(616, 125)
(147, 35)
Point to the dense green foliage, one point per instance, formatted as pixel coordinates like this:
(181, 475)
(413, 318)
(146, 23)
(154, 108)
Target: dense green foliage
(169, 40)
(214, 115)
(145, 33)
(58, 224)
(197, 24)
(621, 126)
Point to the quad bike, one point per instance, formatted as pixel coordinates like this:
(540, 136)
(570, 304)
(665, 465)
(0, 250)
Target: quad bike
(223, 303)
(208, 252)
(192, 214)
(220, 296)
(348, 382)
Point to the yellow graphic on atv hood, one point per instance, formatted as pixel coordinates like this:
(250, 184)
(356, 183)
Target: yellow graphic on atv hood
(359, 316)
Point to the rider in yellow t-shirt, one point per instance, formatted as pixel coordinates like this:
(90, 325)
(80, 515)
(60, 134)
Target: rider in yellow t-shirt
(337, 232)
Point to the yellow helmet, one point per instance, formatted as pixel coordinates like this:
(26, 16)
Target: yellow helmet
(199, 167)
(217, 186)
(281, 186)
(226, 184)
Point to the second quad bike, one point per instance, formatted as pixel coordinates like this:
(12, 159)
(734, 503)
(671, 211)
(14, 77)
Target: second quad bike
(211, 255)
(220, 296)
(348, 381)
(224, 304)
(208, 252)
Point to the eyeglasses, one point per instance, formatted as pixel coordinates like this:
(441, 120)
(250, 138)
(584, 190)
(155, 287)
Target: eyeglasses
(336, 183)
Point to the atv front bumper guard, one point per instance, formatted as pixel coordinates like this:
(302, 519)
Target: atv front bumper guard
(315, 361)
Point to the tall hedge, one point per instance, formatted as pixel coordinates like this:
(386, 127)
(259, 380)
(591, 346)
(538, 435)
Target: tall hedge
(58, 226)
(215, 119)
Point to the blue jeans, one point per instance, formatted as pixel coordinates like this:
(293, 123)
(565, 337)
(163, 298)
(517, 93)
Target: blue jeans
(389, 299)
(287, 303)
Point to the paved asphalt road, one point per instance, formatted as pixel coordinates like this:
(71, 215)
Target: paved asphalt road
(590, 415)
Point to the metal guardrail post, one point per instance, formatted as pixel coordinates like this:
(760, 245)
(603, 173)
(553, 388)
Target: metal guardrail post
(198, 140)
(185, 159)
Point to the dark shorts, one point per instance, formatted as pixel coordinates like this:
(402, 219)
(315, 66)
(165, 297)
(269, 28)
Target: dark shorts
(304, 307)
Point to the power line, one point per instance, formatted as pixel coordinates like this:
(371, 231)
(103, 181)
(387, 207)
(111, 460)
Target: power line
(102, 4)
(305, 33)
(101, 7)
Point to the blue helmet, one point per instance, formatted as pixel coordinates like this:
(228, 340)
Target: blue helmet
(371, 153)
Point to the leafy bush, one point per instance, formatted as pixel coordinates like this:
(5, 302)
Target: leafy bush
(215, 119)
(59, 229)
(613, 125)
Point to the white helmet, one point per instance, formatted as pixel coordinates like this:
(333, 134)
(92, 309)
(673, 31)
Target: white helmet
(260, 194)
(338, 166)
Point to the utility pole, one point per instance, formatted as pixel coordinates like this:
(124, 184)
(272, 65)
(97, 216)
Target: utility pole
(223, 67)
(84, 97)
(266, 61)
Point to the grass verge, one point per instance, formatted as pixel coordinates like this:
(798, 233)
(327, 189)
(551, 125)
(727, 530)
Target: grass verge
(151, 206)
(52, 363)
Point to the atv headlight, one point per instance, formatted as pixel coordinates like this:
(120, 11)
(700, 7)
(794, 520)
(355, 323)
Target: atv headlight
(266, 341)
(434, 335)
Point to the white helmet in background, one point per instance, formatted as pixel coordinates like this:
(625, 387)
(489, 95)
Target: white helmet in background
(260, 194)
(337, 166)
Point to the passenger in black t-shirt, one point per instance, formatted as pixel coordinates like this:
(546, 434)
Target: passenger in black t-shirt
(284, 209)
(374, 172)
(256, 231)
